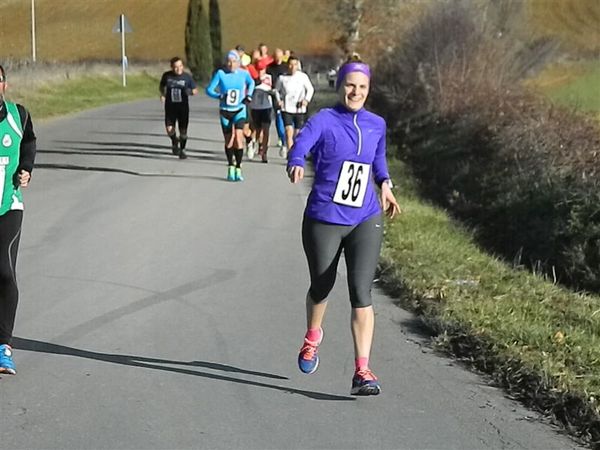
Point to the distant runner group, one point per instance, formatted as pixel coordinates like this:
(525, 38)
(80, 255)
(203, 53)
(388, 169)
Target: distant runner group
(251, 89)
(351, 188)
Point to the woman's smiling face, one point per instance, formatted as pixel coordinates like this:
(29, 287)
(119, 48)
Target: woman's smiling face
(354, 90)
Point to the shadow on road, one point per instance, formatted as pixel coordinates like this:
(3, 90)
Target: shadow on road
(131, 149)
(137, 154)
(162, 135)
(128, 153)
(133, 145)
(164, 365)
(415, 326)
(123, 171)
(155, 118)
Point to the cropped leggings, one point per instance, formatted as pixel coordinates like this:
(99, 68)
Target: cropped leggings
(323, 244)
(10, 232)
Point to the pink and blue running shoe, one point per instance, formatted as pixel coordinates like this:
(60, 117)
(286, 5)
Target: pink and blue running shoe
(365, 382)
(308, 359)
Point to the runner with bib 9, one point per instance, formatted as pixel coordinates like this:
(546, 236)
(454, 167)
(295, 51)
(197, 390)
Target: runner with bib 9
(234, 88)
(344, 213)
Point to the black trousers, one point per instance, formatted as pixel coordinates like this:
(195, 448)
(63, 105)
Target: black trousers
(323, 244)
(177, 113)
(10, 233)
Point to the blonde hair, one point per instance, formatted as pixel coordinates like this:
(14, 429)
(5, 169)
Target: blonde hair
(354, 57)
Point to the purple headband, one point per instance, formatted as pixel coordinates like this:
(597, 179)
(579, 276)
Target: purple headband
(351, 67)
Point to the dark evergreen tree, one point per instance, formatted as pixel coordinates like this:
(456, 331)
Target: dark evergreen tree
(198, 49)
(214, 17)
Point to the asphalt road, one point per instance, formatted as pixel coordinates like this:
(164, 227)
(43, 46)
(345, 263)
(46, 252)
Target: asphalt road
(162, 307)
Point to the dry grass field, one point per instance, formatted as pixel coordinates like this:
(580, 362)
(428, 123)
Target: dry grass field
(576, 23)
(75, 30)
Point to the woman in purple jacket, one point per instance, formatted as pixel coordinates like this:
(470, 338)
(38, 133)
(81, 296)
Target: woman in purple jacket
(347, 144)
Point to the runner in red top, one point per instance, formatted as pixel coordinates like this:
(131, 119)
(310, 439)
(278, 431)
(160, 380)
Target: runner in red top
(264, 57)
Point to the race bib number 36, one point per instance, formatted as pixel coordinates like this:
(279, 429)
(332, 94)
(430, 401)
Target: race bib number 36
(352, 185)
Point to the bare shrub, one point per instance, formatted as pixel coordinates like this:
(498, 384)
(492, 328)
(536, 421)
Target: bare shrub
(525, 174)
(457, 44)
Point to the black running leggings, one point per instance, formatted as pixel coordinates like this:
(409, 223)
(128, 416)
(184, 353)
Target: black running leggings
(323, 244)
(10, 232)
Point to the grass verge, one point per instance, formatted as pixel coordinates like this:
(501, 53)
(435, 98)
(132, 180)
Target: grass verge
(574, 86)
(539, 341)
(88, 91)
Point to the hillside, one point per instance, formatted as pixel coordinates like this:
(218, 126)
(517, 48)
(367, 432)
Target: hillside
(576, 23)
(69, 30)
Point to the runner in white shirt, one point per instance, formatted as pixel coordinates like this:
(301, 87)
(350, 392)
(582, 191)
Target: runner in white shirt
(294, 92)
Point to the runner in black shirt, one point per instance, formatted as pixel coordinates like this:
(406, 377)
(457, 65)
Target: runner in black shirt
(278, 67)
(175, 87)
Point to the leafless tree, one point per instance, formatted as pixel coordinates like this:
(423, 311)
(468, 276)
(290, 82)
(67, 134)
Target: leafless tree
(349, 14)
(359, 21)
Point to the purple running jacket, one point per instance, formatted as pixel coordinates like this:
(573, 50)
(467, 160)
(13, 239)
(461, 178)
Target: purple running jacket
(348, 152)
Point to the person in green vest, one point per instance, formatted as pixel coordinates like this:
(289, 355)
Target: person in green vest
(17, 154)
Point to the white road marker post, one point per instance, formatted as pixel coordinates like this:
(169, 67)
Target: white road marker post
(33, 44)
(122, 26)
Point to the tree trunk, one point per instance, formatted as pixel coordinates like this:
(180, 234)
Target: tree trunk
(198, 49)
(214, 16)
(355, 18)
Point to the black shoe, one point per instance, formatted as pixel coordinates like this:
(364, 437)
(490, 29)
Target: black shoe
(175, 146)
(182, 154)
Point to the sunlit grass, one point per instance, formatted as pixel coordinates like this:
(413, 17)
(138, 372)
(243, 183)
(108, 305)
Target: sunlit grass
(52, 94)
(582, 92)
(574, 85)
(546, 329)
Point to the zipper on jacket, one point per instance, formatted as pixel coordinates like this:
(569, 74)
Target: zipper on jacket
(355, 121)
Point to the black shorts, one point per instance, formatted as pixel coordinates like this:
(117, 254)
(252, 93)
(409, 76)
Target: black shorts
(261, 117)
(323, 244)
(293, 120)
(177, 112)
(231, 119)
